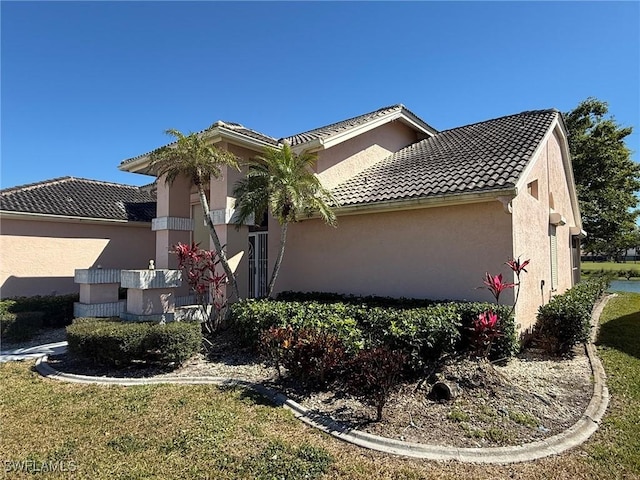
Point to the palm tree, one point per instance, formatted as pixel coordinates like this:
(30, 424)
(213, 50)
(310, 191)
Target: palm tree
(282, 183)
(192, 157)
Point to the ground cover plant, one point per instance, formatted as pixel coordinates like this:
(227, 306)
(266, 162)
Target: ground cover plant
(627, 270)
(112, 342)
(566, 320)
(57, 309)
(200, 432)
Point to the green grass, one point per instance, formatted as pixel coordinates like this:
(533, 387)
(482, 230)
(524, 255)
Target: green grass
(205, 432)
(619, 348)
(616, 269)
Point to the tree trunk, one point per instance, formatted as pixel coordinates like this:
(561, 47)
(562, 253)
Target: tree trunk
(216, 242)
(276, 267)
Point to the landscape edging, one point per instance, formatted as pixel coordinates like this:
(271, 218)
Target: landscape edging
(575, 435)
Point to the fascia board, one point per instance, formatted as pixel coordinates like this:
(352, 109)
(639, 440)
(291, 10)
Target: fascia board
(216, 134)
(566, 161)
(377, 122)
(426, 202)
(45, 217)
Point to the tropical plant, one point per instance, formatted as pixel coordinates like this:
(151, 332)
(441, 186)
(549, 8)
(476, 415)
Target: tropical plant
(486, 329)
(207, 285)
(191, 156)
(281, 182)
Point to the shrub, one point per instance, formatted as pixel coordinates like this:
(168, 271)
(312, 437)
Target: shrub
(312, 356)
(316, 357)
(566, 320)
(423, 334)
(372, 374)
(57, 309)
(275, 344)
(504, 346)
(252, 317)
(121, 344)
(20, 326)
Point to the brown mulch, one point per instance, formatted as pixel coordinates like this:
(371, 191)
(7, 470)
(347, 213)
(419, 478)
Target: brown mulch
(532, 397)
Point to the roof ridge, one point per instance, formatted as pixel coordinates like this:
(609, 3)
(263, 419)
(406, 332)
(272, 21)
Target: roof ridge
(526, 112)
(58, 180)
(34, 185)
(397, 106)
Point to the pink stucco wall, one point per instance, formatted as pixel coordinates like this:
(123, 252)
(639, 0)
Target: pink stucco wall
(436, 253)
(39, 257)
(350, 157)
(531, 233)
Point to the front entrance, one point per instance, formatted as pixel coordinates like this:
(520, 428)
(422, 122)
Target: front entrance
(258, 264)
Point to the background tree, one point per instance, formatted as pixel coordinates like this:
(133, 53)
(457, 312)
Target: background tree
(193, 157)
(282, 183)
(607, 179)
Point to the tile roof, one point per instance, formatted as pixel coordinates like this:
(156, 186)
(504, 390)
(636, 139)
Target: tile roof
(344, 125)
(221, 125)
(484, 156)
(79, 197)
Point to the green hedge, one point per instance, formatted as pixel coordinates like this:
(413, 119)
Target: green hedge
(120, 343)
(423, 333)
(566, 320)
(20, 326)
(57, 309)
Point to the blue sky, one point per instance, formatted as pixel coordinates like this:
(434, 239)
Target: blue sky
(86, 85)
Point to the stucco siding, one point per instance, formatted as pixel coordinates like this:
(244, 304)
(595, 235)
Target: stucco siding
(532, 231)
(39, 257)
(348, 158)
(437, 253)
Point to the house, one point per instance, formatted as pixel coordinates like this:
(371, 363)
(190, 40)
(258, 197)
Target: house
(50, 228)
(423, 213)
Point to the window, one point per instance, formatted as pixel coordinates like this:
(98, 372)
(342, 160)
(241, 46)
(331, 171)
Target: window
(532, 189)
(554, 257)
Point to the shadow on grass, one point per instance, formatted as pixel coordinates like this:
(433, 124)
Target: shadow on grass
(622, 334)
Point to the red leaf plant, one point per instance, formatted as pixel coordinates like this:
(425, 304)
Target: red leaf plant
(486, 329)
(199, 267)
(495, 284)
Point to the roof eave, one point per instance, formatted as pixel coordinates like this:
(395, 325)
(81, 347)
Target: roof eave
(426, 202)
(48, 217)
(217, 134)
(402, 115)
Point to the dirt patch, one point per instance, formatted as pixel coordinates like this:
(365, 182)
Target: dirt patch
(532, 397)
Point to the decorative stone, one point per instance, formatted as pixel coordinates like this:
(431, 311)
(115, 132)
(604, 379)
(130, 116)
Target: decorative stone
(149, 279)
(172, 223)
(156, 318)
(227, 216)
(99, 310)
(151, 301)
(97, 275)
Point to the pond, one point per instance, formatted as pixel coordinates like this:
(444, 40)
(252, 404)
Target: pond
(625, 286)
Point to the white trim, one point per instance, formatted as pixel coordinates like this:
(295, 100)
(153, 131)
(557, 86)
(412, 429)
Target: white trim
(558, 125)
(172, 223)
(217, 134)
(45, 217)
(323, 144)
(426, 202)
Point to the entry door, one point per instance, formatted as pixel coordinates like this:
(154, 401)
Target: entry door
(257, 264)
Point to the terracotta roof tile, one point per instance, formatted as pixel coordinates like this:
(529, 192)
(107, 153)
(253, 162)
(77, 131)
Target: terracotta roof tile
(342, 126)
(79, 197)
(483, 156)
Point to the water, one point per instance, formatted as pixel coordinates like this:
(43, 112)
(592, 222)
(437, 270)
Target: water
(625, 286)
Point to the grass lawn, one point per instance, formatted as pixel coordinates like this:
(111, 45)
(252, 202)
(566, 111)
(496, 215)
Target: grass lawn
(609, 266)
(204, 432)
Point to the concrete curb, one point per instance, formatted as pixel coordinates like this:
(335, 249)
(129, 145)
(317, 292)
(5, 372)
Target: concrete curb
(575, 435)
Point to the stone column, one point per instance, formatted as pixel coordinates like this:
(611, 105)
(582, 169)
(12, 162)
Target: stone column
(98, 293)
(234, 239)
(173, 221)
(151, 294)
